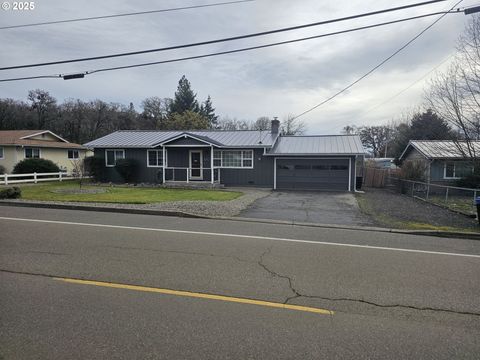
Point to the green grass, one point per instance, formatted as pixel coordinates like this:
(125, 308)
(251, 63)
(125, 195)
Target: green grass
(120, 194)
(463, 204)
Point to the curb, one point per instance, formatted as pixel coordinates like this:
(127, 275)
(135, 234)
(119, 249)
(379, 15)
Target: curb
(437, 233)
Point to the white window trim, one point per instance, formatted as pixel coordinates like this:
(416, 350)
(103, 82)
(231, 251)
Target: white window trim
(242, 158)
(454, 171)
(157, 151)
(73, 158)
(31, 147)
(2, 156)
(114, 156)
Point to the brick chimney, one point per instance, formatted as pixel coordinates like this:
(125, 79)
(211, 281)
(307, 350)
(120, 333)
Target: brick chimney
(275, 125)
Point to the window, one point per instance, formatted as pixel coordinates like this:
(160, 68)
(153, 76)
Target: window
(456, 170)
(284, 167)
(111, 157)
(339, 167)
(32, 153)
(217, 158)
(233, 158)
(302, 167)
(73, 154)
(155, 158)
(1, 152)
(321, 167)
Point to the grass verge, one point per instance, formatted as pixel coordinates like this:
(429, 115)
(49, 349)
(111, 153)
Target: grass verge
(119, 194)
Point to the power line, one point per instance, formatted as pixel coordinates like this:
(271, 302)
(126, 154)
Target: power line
(241, 49)
(209, 42)
(121, 15)
(380, 64)
(409, 86)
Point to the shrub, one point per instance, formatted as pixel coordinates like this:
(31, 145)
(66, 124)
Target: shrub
(127, 168)
(2, 169)
(29, 166)
(10, 193)
(95, 166)
(469, 181)
(413, 170)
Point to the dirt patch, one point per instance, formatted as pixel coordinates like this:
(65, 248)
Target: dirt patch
(390, 209)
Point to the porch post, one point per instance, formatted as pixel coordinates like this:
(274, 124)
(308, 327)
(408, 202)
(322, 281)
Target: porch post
(211, 163)
(163, 164)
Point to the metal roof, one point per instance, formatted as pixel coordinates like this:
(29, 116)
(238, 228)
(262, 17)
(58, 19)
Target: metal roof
(441, 149)
(150, 139)
(318, 145)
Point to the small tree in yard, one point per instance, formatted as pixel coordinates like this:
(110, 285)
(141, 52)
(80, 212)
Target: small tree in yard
(79, 170)
(127, 168)
(413, 170)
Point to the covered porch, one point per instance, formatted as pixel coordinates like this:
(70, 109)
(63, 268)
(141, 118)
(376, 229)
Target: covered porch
(189, 160)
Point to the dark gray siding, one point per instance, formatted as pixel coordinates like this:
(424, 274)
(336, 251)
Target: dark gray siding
(261, 174)
(145, 174)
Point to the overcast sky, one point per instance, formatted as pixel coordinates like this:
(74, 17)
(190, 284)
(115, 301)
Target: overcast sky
(277, 81)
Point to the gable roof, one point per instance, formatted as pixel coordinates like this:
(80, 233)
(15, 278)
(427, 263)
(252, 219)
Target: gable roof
(318, 145)
(151, 139)
(23, 138)
(440, 149)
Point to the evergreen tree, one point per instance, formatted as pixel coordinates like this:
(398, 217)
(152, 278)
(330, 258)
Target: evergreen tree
(208, 111)
(184, 99)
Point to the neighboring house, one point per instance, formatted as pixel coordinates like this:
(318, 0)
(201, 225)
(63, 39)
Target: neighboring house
(16, 145)
(444, 162)
(235, 158)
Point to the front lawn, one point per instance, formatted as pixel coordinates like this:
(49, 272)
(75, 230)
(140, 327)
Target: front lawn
(65, 191)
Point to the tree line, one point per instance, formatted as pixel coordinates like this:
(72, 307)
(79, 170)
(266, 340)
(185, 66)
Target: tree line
(81, 121)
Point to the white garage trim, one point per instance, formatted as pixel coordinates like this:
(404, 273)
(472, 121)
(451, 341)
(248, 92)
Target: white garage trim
(312, 158)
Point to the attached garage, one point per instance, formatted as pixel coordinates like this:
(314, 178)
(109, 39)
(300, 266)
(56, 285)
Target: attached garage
(320, 163)
(313, 174)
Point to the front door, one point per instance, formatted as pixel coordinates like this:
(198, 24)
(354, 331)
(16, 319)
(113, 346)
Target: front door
(196, 170)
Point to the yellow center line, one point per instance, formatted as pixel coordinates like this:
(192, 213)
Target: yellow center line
(198, 295)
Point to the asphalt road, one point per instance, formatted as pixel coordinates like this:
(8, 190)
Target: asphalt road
(174, 288)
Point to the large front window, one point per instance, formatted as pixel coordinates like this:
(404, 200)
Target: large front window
(111, 157)
(233, 158)
(32, 153)
(155, 158)
(457, 170)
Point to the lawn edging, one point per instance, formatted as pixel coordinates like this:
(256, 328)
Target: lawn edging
(437, 233)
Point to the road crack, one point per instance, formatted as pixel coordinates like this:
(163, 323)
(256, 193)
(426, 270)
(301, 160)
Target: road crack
(275, 274)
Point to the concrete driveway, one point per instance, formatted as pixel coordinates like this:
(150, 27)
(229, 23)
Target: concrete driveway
(313, 207)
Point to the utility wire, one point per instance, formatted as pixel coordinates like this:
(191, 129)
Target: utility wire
(242, 49)
(380, 64)
(209, 42)
(409, 86)
(124, 14)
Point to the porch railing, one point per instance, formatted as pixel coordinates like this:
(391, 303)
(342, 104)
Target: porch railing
(185, 174)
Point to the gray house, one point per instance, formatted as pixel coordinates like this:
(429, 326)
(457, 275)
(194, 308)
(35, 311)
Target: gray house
(235, 158)
(444, 160)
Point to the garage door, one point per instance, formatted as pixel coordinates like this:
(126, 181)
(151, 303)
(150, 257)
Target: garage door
(313, 174)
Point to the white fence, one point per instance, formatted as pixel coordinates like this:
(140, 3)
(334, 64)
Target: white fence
(7, 179)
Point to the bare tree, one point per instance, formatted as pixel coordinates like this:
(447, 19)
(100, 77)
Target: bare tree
(262, 123)
(455, 93)
(291, 125)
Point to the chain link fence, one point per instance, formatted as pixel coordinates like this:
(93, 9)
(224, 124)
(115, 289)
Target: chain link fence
(455, 198)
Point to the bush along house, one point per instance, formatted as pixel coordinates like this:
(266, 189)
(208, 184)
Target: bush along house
(233, 158)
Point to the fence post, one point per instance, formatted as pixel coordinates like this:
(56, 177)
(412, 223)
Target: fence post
(413, 189)
(6, 179)
(35, 177)
(188, 175)
(60, 176)
(428, 190)
(446, 195)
